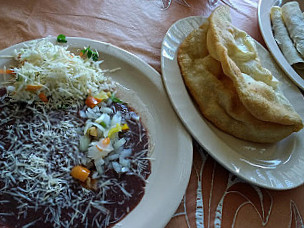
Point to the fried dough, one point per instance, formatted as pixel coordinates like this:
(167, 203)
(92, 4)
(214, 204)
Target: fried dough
(222, 71)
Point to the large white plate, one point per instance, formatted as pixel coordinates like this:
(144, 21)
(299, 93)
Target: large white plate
(173, 146)
(266, 30)
(274, 166)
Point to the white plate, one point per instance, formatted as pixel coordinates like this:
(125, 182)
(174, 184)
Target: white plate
(274, 166)
(266, 30)
(173, 145)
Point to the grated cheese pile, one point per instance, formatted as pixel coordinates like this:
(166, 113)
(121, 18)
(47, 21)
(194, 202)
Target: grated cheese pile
(62, 76)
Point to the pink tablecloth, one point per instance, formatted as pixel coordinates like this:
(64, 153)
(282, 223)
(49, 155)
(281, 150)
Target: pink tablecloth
(214, 197)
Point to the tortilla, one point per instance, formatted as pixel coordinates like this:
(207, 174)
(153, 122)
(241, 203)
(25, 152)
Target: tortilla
(224, 75)
(283, 40)
(294, 21)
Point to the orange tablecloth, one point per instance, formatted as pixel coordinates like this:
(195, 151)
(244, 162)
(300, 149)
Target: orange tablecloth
(139, 27)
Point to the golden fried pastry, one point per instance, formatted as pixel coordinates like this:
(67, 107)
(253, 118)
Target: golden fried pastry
(223, 73)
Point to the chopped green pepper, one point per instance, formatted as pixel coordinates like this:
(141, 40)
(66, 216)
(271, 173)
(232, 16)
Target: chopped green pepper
(61, 38)
(102, 123)
(91, 54)
(115, 99)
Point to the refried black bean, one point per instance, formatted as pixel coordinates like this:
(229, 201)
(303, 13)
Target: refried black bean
(119, 204)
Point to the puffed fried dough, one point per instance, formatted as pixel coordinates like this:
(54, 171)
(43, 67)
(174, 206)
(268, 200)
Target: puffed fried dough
(254, 84)
(216, 93)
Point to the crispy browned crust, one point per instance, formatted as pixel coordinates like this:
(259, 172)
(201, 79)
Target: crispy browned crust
(215, 83)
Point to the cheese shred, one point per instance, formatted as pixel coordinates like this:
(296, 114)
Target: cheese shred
(62, 76)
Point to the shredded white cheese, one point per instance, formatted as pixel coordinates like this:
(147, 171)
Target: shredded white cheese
(61, 75)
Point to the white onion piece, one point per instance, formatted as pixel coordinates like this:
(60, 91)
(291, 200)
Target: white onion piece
(119, 143)
(106, 110)
(93, 113)
(118, 151)
(125, 169)
(98, 126)
(84, 160)
(84, 143)
(99, 165)
(99, 162)
(90, 114)
(126, 153)
(95, 109)
(87, 126)
(124, 162)
(116, 119)
(116, 167)
(127, 116)
(82, 114)
(104, 118)
(135, 117)
(100, 133)
(113, 157)
(100, 169)
(95, 175)
(12, 89)
(109, 102)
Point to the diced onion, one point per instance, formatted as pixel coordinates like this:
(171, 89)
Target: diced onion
(106, 110)
(124, 162)
(116, 167)
(116, 119)
(119, 143)
(126, 153)
(84, 143)
(113, 157)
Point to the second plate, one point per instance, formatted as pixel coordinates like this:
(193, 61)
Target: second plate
(274, 166)
(264, 8)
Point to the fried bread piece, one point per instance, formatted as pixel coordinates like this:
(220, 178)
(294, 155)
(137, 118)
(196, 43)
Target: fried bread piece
(223, 73)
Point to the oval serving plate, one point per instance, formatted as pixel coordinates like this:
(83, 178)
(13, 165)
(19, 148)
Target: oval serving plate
(264, 8)
(172, 162)
(273, 166)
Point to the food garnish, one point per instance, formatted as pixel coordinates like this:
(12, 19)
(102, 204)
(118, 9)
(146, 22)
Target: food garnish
(115, 99)
(61, 38)
(43, 97)
(92, 101)
(80, 173)
(90, 54)
(6, 71)
(65, 78)
(33, 88)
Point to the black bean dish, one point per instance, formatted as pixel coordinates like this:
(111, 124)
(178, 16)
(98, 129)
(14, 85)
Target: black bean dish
(72, 154)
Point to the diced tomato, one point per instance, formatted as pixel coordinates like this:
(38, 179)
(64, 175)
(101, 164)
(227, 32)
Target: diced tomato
(106, 141)
(7, 71)
(43, 97)
(33, 88)
(92, 101)
(80, 173)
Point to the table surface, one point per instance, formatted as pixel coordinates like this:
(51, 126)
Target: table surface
(139, 26)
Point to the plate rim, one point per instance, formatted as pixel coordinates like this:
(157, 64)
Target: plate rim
(191, 130)
(161, 217)
(273, 46)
